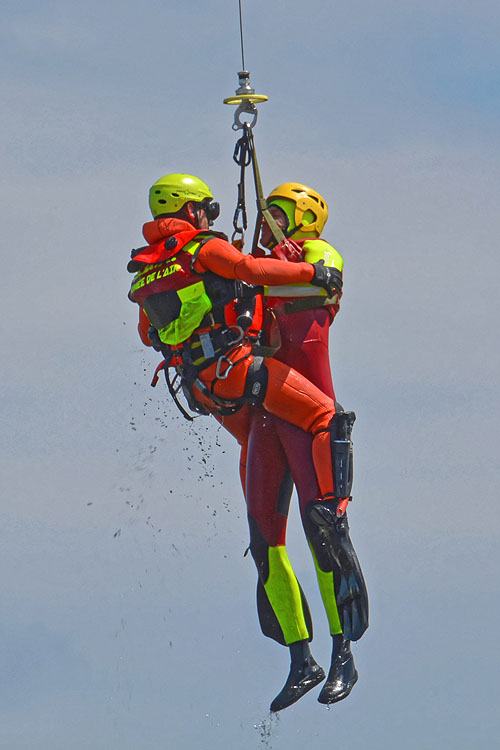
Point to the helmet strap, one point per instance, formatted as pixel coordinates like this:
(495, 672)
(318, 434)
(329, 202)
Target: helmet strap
(292, 231)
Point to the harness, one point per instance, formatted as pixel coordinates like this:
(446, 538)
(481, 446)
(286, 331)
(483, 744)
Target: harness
(190, 359)
(198, 320)
(177, 299)
(311, 249)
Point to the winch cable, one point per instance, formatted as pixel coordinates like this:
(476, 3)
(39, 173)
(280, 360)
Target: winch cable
(241, 39)
(245, 154)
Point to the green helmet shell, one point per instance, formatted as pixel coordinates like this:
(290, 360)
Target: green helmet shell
(172, 191)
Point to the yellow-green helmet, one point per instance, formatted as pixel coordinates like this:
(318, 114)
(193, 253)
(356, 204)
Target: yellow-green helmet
(171, 192)
(304, 207)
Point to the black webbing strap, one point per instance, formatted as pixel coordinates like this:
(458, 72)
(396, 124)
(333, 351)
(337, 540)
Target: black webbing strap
(222, 341)
(244, 155)
(173, 393)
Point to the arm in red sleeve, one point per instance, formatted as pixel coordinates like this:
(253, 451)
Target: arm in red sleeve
(143, 327)
(221, 258)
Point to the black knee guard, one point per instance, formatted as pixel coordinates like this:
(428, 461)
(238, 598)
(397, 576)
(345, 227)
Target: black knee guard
(340, 430)
(256, 382)
(334, 551)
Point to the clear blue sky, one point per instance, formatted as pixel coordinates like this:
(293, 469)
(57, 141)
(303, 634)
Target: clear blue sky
(128, 618)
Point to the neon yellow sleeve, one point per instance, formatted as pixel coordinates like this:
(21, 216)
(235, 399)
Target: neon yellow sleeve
(316, 250)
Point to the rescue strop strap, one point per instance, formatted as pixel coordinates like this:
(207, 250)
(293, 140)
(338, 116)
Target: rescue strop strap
(164, 365)
(244, 155)
(203, 349)
(304, 303)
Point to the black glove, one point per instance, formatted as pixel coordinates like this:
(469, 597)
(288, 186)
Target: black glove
(327, 277)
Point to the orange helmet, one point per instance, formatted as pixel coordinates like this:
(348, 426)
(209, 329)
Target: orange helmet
(305, 208)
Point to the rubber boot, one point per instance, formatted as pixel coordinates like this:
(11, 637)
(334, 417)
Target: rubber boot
(305, 674)
(342, 675)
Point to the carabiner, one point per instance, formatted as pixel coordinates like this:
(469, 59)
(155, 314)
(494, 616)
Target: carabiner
(240, 228)
(241, 333)
(222, 359)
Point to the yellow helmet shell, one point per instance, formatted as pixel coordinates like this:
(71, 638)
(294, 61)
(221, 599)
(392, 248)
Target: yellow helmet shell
(305, 199)
(172, 191)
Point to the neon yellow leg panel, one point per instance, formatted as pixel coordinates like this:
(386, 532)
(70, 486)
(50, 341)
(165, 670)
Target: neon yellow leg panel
(283, 591)
(327, 590)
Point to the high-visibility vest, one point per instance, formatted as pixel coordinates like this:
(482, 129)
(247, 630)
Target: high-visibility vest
(173, 295)
(310, 250)
(170, 291)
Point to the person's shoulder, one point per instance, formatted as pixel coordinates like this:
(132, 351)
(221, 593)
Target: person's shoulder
(210, 242)
(317, 249)
(208, 234)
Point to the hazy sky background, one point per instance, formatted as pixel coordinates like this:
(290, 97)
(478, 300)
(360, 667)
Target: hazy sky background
(128, 616)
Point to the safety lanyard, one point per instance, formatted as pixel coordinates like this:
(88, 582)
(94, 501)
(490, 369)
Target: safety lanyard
(244, 155)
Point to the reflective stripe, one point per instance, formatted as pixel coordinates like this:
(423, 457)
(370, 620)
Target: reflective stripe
(292, 290)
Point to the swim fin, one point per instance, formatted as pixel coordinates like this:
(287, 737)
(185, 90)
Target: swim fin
(332, 545)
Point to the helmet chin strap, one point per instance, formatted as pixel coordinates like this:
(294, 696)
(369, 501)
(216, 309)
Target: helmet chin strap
(284, 235)
(289, 232)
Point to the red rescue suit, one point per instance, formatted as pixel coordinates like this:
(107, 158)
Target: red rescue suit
(275, 456)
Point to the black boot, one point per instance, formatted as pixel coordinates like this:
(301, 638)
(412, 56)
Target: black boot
(304, 675)
(342, 675)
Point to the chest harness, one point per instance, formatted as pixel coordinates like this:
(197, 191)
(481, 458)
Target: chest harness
(197, 320)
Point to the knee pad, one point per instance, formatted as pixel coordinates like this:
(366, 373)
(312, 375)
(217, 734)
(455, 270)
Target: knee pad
(256, 382)
(340, 430)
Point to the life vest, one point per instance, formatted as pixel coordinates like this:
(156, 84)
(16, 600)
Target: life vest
(171, 293)
(310, 250)
(174, 296)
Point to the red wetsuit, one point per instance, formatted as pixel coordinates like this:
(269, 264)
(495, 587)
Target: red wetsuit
(275, 455)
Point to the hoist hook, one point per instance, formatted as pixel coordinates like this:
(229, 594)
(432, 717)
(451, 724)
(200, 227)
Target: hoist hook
(246, 99)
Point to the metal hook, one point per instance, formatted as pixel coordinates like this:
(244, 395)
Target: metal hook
(246, 98)
(246, 107)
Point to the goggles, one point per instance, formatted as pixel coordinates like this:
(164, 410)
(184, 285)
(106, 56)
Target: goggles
(212, 210)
